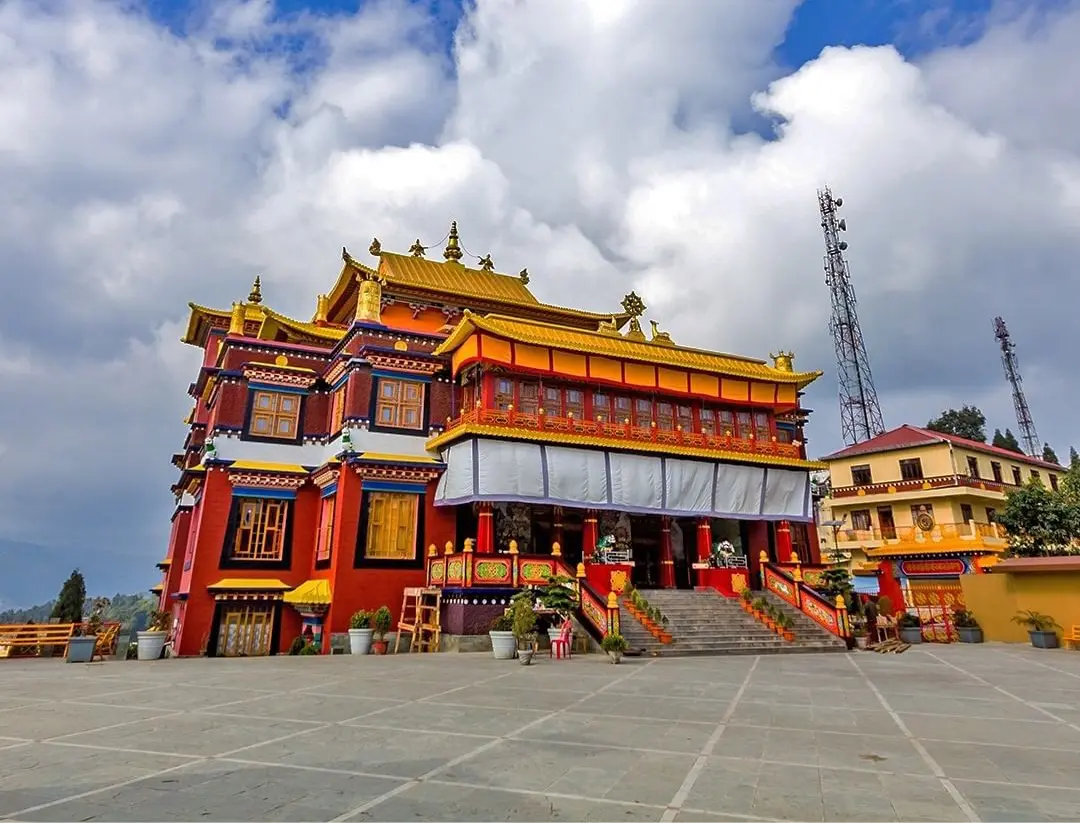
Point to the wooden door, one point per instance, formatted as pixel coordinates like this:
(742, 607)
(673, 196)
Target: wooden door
(886, 523)
(245, 631)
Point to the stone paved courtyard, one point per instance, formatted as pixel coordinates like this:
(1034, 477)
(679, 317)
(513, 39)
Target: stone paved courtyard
(938, 733)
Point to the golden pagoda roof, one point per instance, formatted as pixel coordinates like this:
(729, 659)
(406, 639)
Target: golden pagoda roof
(457, 282)
(619, 347)
(270, 321)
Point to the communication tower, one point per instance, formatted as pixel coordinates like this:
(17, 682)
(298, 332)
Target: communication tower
(860, 411)
(1012, 373)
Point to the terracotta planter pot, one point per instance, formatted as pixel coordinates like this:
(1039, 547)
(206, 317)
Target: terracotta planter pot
(664, 638)
(379, 646)
(789, 635)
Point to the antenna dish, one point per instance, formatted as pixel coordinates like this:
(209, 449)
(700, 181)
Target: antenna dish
(842, 245)
(842, 225)
(839, 201)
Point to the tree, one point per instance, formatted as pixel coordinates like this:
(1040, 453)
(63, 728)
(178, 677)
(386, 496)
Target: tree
(1074, 458)
(966, 422)
(1040, 522)
(69, 605)
(1049, 455)
(1007, 441)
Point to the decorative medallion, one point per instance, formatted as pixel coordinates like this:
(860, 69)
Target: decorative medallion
(281, 360)
(618, 581)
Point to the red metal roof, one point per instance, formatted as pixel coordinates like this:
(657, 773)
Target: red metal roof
(907, 436)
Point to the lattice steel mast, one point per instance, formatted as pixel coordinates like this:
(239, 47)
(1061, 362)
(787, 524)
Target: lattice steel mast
(1012, 373)
(860, 411)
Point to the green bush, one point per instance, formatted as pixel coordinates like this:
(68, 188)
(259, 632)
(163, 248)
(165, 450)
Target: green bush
(613, 642)
(381, 622)
(360, 619)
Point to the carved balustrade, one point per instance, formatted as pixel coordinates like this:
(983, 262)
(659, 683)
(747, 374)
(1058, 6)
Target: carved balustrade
(465, 569)
(615, 431)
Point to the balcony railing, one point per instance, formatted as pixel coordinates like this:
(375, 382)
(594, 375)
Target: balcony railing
(623, 432)
(941, 482)
(972, 530)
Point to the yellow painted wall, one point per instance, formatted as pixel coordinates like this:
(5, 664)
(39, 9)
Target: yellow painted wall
(986, 470)
(885, 466)
(994, 599)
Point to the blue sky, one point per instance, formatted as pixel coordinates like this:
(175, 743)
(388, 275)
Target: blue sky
(182, 180)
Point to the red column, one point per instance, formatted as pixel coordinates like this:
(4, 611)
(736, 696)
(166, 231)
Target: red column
(589, 535)
(557, 525)
(813, 542)
(485, 530)
(704, 544)
(667, 562)
(783, 542)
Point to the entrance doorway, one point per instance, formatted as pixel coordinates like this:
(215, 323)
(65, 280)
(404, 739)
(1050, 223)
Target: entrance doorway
(245, 630)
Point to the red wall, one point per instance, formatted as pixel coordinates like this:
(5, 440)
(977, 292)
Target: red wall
(211, 516)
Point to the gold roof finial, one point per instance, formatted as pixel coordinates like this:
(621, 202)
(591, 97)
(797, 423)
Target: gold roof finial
(523, 276)
(369, 299)
(322, 308)
(486, 263)
(782, 360)
(660, 338)
(255, 295)
(453, 249)
(635, 307)
(375, 249)
(236, 322)
(416, 250)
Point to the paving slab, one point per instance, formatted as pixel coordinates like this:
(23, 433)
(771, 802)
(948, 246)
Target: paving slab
(946, 733)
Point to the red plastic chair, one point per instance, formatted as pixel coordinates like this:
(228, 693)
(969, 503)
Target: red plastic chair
(560, 646)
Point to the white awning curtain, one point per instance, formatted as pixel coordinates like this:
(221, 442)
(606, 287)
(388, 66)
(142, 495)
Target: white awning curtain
(508, 471)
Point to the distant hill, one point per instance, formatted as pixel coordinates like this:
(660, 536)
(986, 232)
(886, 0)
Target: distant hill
(122, 607)
(31, 573)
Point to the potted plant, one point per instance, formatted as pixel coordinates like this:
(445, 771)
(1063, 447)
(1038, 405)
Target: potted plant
(757, 606)
(1040, 628)
(81, 648)
(614, 644)
(558, 596)
(786, 625)
(747, 598)
(861, 633)
(381, 621)
(967, 627)
(910, 627)
(360, 632)
(152, 640)
(524, 621)
(503, 642)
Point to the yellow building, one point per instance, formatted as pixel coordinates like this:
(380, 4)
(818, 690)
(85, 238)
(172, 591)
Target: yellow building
(925, 501)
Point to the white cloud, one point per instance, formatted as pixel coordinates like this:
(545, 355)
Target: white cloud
(604, 151)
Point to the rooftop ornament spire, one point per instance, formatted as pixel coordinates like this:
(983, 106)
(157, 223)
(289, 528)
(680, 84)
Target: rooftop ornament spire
(486, 263)
(453, 248)
(635, 307)
(322, 308)
(416, 250)
(523, 276)
(375, 249)
(255, 296)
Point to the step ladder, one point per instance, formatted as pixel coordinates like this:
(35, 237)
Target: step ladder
(420, 619)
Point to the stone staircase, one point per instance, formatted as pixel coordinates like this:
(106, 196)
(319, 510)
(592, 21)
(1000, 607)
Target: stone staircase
(706, 623)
